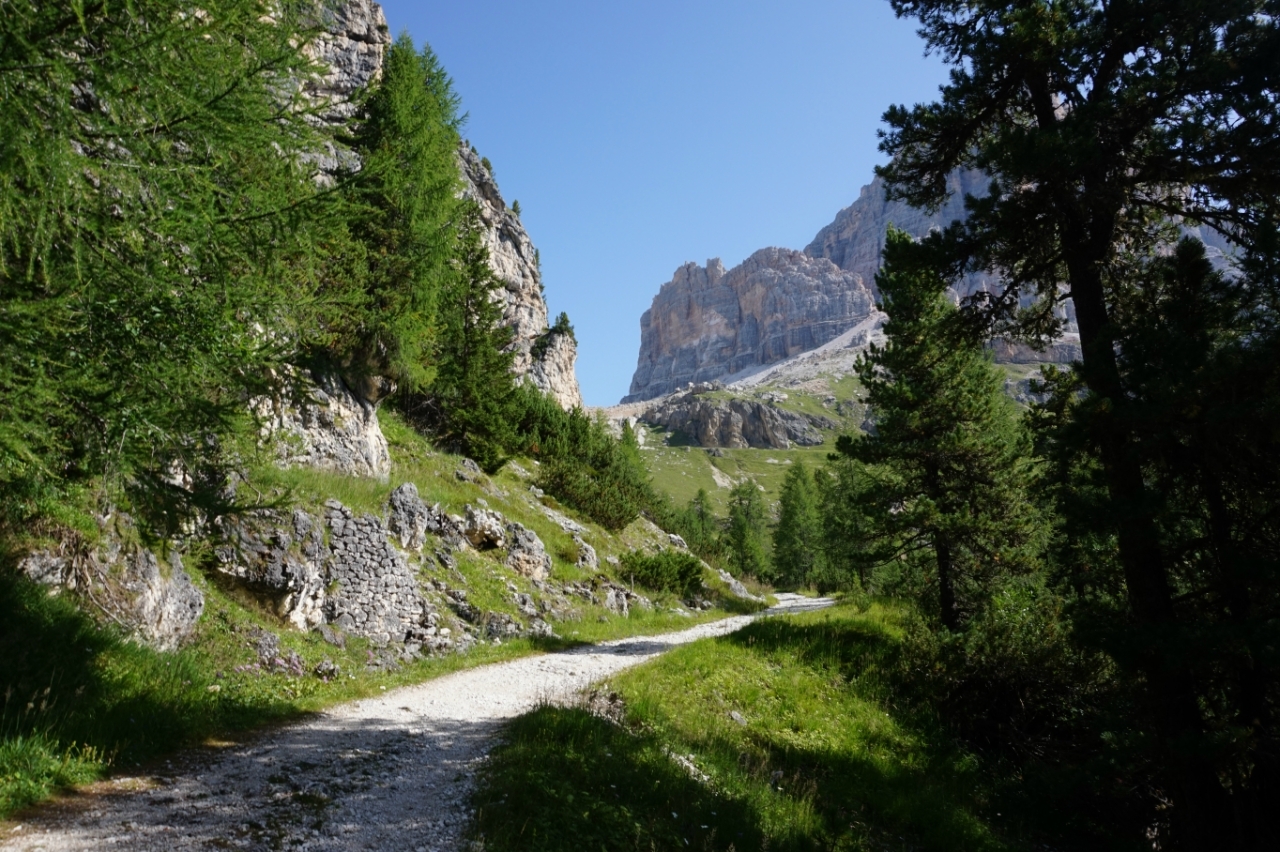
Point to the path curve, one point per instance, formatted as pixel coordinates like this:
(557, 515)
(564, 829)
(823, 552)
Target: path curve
(387, 773)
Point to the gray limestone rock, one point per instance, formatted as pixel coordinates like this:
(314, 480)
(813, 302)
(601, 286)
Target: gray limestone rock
(587, 557)
(736, 587)
(548, 365)
(484, 528)
(709, 322)
(156, 602)
(319, 422)
(410, 519)
(526, 554)
(166, 605)
(736, 423)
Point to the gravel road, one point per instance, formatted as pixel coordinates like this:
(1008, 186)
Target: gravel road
(386, 773)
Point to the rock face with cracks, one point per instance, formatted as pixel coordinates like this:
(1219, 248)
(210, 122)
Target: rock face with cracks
(154, 600)
(737, 423)
(709, 322)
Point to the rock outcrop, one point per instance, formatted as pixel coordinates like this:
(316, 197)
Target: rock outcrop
(708, 323)
(856, 238)
(339, 569)
(514, 259)
(325, 425)
(350, 47)
(154, 600)
(737, 423)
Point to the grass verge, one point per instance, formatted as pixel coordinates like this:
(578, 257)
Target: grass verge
(782, 736)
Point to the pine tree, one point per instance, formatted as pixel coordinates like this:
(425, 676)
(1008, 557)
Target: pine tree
(744, 537)
(798, 556)
(474, 390)
(406, 222)
(948, 455)
(1102, 124)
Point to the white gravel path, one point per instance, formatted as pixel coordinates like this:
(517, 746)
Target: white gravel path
(387, 773)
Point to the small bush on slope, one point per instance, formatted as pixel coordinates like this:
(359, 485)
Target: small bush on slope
(669, 571)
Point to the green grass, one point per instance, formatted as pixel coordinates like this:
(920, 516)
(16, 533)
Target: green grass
(824, 761)
(80, 700)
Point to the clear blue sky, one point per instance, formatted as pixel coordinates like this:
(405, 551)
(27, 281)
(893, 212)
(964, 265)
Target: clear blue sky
(638, 136)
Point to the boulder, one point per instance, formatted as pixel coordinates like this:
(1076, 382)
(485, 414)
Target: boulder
(484, 528)
(526, 554)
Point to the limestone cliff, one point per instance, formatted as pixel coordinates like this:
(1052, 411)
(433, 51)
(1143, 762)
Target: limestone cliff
(513, 257)
(708, 323)
(855, 239)
(352, 50)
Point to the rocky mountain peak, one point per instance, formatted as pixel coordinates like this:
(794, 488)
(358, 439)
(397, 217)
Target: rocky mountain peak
(709, 323)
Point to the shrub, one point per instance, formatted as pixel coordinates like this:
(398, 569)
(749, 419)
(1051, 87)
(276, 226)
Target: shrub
(669, 571)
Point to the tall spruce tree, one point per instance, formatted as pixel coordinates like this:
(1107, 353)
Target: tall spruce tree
(798, 555)
(744, 536)
(474, 389)
(1100, 123)
(948, 455)
(406, 215)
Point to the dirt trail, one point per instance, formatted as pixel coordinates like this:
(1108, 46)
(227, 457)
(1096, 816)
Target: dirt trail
(386, 773)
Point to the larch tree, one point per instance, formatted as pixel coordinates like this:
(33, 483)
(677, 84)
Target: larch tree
(406, 221)
(798, 555)
(157, 211)
(474, 390)
(744, 536)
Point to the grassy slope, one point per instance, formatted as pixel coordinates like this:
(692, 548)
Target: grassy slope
(80, 700)
(681, 470)
(822, 759)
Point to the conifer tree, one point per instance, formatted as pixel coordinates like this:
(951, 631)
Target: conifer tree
(474, 389)
(157, 211)
(744, 537)
(948, 455)
(798, 557)
(1101, 124)
(406, 222)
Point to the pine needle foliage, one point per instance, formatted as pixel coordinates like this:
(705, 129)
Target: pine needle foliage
(744, 536)
(474, 389)
(798, 556)
(948, 456)
(407, 222)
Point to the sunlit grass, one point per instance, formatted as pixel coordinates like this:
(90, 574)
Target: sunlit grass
(785, 734)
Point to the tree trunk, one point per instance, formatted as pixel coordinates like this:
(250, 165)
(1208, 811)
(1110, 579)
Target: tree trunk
(946, 588)
(1199, 800)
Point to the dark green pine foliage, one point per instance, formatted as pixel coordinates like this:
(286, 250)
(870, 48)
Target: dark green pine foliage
(156, 212)
(845, 489)
(406, 218)
(1200, 357)
(744, 536)
(798, 554)
(948, 456)
(1101, 123)
(474, 390)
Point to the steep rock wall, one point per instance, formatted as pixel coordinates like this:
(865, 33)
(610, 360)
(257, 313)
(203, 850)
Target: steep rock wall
(515, 261)
(708, 323)
(855, 239)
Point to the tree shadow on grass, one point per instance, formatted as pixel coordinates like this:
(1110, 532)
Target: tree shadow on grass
(567, 780)
(71, 684)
